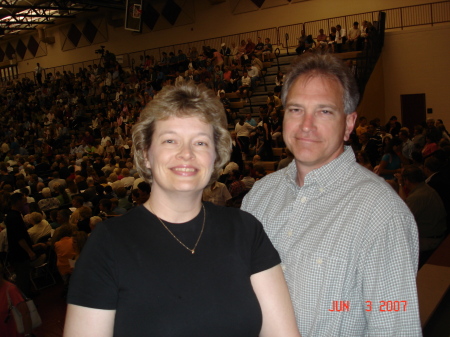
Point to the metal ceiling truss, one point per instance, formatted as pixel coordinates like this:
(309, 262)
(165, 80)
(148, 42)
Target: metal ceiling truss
(16, 15)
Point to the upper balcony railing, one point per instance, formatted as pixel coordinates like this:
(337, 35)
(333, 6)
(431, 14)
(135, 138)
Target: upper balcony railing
(396, 18)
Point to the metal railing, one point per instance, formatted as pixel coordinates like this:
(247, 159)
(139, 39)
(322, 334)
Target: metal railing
(396, 18)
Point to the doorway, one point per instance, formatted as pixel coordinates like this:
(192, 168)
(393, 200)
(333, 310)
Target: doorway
(413, 110)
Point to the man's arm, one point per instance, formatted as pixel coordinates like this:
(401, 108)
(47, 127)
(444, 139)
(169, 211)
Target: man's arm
(27, 248)
(388, 268)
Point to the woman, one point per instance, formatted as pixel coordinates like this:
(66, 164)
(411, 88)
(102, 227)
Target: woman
(390, 162)
(363, 159)
(175, 266)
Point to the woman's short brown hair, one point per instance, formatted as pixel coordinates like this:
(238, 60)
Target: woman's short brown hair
(186, 100)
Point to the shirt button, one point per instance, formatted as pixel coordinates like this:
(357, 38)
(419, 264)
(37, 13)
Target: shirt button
(283, 267)
(321, 190)
(319, 261)
(303, 200)
(289, 232)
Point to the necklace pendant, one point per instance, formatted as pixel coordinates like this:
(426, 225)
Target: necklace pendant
(193, 251)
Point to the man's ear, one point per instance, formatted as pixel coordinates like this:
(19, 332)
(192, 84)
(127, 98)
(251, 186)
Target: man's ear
(350, 121)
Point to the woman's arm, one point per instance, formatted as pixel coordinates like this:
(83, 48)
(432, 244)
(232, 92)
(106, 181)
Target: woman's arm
(273, 295)
(382, 169)
(88, 322)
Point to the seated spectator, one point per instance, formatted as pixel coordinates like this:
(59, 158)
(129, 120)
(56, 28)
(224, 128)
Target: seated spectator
(94, 221)
(301, 43)
(64, 252)
(123, 198)
(48, 202)
(56, 180)
(127, 180)
(62, 195)
(104, 207)
(79, 239)
(116, 209)
(285, 161)
(245, 87)
(144, 189)
(427, 208)
(430, 144)
(277, 128)
(390, 162)
(247, 179)
(217, 193)
(77, 202)
(354, 41)
(267, 50)
(275, 99)
(41, 228)
(256, 62)
(322, 42)
(362, 126)
(80, 218)
(279, 81)
(363, 160)
(253, 73)
(259, 47)
(235, 185)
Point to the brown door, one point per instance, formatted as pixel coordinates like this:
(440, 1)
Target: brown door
(413, 110)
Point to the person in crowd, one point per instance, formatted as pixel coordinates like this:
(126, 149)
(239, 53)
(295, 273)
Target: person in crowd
(21, 250)
(64, 252)
(243, 130)
(321, 39)
(10, 294)
(285, 161)
(48, 202)
(363, 159)
(217, 193)
(313, 206)
(391, 162)
(279, 80)
(393, 126)
(41, 228)
(301, 43)
(267, 50)
(354, 37)
(427, 207)
(431, 145)
(341, 38)
(181, 142)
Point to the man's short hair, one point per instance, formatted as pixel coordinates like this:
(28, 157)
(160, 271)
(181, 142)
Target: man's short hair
(324, 64)
(106, 203)
(144, 187)
(414, 174)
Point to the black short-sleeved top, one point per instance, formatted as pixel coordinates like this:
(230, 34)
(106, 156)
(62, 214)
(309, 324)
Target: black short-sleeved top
(16, 231)
(133, 265)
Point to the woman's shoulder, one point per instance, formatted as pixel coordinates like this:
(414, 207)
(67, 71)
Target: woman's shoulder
(231, 215)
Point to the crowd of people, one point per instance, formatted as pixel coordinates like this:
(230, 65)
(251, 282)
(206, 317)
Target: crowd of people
(68, 157)
(357, 38)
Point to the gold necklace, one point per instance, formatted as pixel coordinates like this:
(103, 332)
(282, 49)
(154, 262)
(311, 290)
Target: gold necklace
(179, 241)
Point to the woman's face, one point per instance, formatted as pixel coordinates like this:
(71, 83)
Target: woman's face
(181, 155)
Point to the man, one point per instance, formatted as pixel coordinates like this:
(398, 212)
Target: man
(301, 43)
(20, 246)
(354, 37)
(427, 207)
(346, 239)
(38, 72)
(341, 38)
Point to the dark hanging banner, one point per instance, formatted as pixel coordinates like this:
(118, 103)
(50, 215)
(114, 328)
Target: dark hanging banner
(133, 15)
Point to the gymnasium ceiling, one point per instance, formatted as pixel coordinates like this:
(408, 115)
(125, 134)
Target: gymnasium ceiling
(24, 15)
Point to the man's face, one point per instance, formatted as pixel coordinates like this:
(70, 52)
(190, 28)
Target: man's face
(315, 125)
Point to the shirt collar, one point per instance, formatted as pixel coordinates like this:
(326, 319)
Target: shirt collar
(325, 175)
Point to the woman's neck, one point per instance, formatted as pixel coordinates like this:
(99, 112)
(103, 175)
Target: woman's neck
(176, 208)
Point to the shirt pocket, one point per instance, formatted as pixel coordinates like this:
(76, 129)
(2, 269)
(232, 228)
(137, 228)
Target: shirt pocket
(315, 281)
